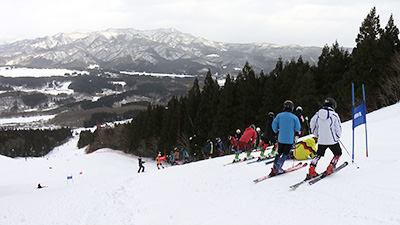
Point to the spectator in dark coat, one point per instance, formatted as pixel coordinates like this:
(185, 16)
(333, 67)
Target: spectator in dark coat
(141, 162)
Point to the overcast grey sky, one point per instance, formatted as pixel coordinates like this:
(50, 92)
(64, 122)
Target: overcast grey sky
(283, 22)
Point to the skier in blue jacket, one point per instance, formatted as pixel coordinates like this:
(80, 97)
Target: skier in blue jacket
(285, 124)
(220, 146)
(185, 156)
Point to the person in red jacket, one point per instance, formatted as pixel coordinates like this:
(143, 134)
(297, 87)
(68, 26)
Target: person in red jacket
(247, 141)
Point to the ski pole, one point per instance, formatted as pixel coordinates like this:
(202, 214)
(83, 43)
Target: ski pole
(348, 153)
(308, 126)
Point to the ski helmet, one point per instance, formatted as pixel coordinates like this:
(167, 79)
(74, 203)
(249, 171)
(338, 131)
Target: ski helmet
(288, 105)
(299, 108)
(271, 114)
(258, 129)
(238, 131)
(253, 126)
(330, 102)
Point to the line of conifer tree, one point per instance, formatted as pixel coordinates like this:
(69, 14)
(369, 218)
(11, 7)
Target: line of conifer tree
(217, 111)
(31, 143)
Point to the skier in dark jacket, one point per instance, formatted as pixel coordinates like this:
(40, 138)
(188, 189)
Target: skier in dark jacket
(238, 135)
(141, 162)
(268, 137)
(286, 123)
(299, 113)
(208, 150)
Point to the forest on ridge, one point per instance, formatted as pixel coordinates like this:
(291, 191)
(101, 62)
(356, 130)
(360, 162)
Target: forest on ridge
(209, 111)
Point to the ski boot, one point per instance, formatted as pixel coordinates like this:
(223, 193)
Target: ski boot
(330, 169)
(261, 158)
(311, 172)
(235, 160)
(272, 173)
(248, 156)
(272, 153)
(279, 171)
(262, 153)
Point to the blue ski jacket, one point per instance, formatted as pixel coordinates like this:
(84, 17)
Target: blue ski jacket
(286, 123)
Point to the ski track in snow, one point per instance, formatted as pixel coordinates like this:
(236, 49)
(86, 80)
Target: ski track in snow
(106, 188)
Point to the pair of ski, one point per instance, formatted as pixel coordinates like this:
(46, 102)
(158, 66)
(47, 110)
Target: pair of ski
(288, 170)
(321, 176)
(260, 159)
(239, 161)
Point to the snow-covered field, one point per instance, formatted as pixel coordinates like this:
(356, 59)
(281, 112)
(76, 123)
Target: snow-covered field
(28, 122)
(34, 72)
(24, 120)
(106, 189)
(157, 74)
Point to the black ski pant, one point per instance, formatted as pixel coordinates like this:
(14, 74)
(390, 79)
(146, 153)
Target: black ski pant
(141, 168)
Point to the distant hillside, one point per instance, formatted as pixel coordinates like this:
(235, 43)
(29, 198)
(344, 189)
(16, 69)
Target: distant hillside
(161, 50)
(75, 98)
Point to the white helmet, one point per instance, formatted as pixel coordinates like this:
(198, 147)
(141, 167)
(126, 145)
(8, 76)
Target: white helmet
(258, 129)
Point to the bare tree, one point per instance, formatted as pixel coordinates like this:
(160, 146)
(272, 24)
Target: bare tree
(183, 141)
(152, 145)
(390, 92)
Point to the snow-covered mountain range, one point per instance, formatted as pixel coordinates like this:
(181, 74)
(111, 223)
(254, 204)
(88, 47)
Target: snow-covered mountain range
(160, 50)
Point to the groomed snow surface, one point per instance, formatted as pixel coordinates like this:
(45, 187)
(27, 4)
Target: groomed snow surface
(33, 72)
(106, 189)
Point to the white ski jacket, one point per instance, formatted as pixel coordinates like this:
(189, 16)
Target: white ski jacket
(325, 124)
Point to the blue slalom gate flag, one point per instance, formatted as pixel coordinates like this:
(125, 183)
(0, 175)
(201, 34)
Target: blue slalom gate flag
(359, 115)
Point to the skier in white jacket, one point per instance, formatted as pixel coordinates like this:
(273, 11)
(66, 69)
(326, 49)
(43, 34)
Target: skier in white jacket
(325, 124)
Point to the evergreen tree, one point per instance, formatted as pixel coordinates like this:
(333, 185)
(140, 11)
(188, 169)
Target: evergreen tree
(207, 108)
(390, 37)
(249, 96)
(367, 64)
(216, 112)
(225, 122)
(370, 30)
(172, 123)
(193, 102)
(156, 120)
(390, 92)
(333, 63)
(270, 86)
(191, 106)
(278, 68)
(306, 94)
(269, 97)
